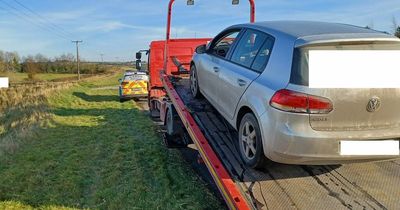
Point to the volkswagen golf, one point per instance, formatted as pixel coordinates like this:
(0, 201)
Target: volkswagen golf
(258, 77)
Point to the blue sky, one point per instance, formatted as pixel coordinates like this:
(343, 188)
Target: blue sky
(119, 28)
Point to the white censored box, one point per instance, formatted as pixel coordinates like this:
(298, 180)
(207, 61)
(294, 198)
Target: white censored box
(382, 147)
(354, 68)
(3, 82)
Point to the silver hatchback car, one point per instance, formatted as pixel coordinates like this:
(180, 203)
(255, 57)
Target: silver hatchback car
(257, 78)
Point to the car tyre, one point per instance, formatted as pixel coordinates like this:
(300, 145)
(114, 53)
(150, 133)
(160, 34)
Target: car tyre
(250, 142)
(194, 82)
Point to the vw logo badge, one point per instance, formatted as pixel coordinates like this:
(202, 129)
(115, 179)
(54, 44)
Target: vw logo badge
(373, 104)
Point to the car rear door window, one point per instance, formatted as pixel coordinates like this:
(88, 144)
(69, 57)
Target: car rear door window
(262, 58)
(248, 47)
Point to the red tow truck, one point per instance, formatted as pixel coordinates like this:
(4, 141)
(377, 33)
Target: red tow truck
(278, 186)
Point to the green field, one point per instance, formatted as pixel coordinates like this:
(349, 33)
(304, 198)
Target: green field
(97, 153)
(22, 77)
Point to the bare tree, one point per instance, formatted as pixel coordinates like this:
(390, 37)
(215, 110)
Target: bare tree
(370, 25)
(8, 57)
(15, 62)
(7, 61)
(66, 58)
(42, 62)
(41, 58)
(2, 63)
(31, 67)
(396, 27)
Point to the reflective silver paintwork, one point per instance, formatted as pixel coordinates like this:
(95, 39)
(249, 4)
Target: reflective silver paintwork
(295, 138)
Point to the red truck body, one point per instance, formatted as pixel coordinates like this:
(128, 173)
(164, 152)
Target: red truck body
(181, 49)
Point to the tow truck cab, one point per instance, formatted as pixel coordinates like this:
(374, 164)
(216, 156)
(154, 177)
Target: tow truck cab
(180, 52)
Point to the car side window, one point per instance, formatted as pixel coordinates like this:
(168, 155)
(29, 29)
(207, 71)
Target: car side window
(248, 47)
(263, 56)
(222, 46)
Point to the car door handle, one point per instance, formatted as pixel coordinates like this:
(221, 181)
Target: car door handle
(241, 82)
(216, 69)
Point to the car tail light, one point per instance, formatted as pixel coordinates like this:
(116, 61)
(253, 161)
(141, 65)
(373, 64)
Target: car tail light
(292, 101)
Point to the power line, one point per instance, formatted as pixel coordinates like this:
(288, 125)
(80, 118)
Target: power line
(28, 18)
(44, 19)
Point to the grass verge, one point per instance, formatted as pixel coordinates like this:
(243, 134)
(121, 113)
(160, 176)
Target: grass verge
(97, 153)
(22, 77)
(22, 110)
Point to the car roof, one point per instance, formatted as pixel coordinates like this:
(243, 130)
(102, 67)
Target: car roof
(306, 32)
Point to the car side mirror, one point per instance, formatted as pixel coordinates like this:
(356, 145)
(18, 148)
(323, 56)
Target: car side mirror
(119, 80)
(201, 49)
(138, 64)
(138, 55)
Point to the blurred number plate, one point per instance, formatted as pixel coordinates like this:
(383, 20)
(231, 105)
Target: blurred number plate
(384, 147)
(3, 82)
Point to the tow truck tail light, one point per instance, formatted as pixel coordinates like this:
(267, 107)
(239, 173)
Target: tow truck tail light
(292, 101)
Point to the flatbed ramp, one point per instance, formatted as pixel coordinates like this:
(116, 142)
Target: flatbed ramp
(280, 186)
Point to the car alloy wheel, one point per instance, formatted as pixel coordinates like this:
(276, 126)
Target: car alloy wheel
(194, 83)
(248, 140)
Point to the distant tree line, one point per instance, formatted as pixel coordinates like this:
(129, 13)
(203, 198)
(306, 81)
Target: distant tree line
(32, 64)
(66, 63)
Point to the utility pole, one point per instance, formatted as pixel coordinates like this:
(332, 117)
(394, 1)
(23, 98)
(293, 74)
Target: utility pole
(77, 57)
(102, 61)
(101, 55)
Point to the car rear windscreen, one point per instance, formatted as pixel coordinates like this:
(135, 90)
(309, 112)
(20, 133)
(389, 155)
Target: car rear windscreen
(134, 77)
(300, 66)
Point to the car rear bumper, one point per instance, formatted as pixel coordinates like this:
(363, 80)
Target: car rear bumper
(288, 138)
(133, 96)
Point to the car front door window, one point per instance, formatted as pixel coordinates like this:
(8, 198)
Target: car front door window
(222, 46)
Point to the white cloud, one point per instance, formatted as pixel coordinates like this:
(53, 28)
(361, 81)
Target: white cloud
(69, 15)
(106, 26)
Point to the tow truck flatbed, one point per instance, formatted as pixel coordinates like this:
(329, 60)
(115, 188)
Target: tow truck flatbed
(280, 186)
(277, 186)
